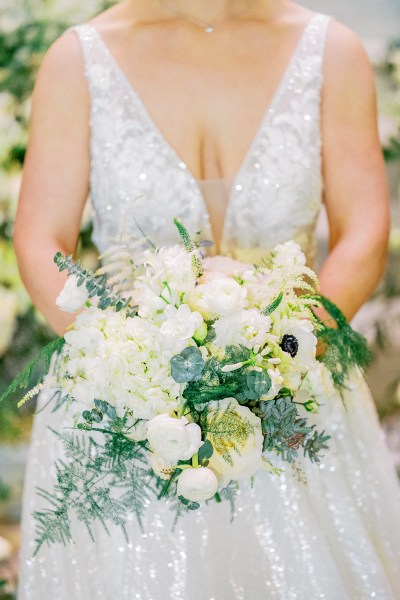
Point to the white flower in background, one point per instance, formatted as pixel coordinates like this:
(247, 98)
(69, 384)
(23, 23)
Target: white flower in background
(237, 455)
(72, 297)
(288, 254)
(219, 297)
(173, 439)
(197, 485)
(248, 328)
(220, 267)
(179, 326)
(8, 315)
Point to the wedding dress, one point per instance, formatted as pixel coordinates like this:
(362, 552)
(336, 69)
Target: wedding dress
(335, 537)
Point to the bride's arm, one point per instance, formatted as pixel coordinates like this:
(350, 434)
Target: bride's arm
(356, 193)
(55, 177)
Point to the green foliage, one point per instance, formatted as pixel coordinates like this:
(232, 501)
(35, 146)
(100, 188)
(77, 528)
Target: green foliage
(315, 444)
(284, 431)
(273, 306)
(188, 365)
(205, 451)
(190, 246)
(96, 285)
(24, 378)
(97, 483)
(345, 348)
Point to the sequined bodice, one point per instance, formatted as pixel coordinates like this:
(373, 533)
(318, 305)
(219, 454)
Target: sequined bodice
(139, 183)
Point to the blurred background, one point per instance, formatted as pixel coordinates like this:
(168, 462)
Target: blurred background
(27, 28)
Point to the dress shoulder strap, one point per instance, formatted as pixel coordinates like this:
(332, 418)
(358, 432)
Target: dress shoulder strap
(99, 73)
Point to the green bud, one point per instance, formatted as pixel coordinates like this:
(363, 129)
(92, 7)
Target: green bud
(201, 333)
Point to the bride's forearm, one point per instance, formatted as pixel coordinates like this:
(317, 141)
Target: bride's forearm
(353, 270)
(43, 281)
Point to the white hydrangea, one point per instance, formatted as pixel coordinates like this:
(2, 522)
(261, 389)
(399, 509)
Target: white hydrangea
(121, 361)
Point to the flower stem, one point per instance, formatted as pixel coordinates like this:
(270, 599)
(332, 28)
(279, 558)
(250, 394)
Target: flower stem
(195, 460)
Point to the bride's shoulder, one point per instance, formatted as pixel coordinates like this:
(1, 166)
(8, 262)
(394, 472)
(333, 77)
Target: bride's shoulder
(64, 58)
(345, 56)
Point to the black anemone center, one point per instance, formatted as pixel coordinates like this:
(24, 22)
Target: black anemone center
(290, 344)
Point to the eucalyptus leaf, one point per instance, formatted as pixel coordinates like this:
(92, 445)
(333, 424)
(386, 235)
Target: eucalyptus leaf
(188, 365)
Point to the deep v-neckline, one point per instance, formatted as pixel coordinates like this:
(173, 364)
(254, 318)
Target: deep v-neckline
(163, 140)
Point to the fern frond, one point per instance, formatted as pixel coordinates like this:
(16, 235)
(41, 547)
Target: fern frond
(42, 360)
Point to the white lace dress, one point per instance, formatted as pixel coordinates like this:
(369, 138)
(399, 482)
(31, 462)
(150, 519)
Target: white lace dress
(336, 537)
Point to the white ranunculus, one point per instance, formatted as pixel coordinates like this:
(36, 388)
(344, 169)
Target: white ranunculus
(197, 485)
(220, 297)
(173, 439)
(72, 297)
(238, 456)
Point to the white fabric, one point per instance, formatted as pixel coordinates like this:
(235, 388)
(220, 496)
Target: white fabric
(335, 537)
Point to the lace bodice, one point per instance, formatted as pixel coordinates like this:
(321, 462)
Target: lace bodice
(139, 183)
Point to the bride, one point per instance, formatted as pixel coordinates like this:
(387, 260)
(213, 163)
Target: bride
(239, 117)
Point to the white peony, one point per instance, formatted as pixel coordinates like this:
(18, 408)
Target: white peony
(173, 439)
(219, 297)
(197, 484)
(72, 297)
(236, 456)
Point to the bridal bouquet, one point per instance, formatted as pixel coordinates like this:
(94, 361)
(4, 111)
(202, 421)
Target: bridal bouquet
(190, 375)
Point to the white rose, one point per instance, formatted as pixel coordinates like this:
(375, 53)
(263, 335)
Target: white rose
(197, 484)
(236, 456)
(72, 297)
(174, 439)
(220, 297)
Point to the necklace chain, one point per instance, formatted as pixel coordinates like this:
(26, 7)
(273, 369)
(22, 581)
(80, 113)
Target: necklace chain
(207, 26)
